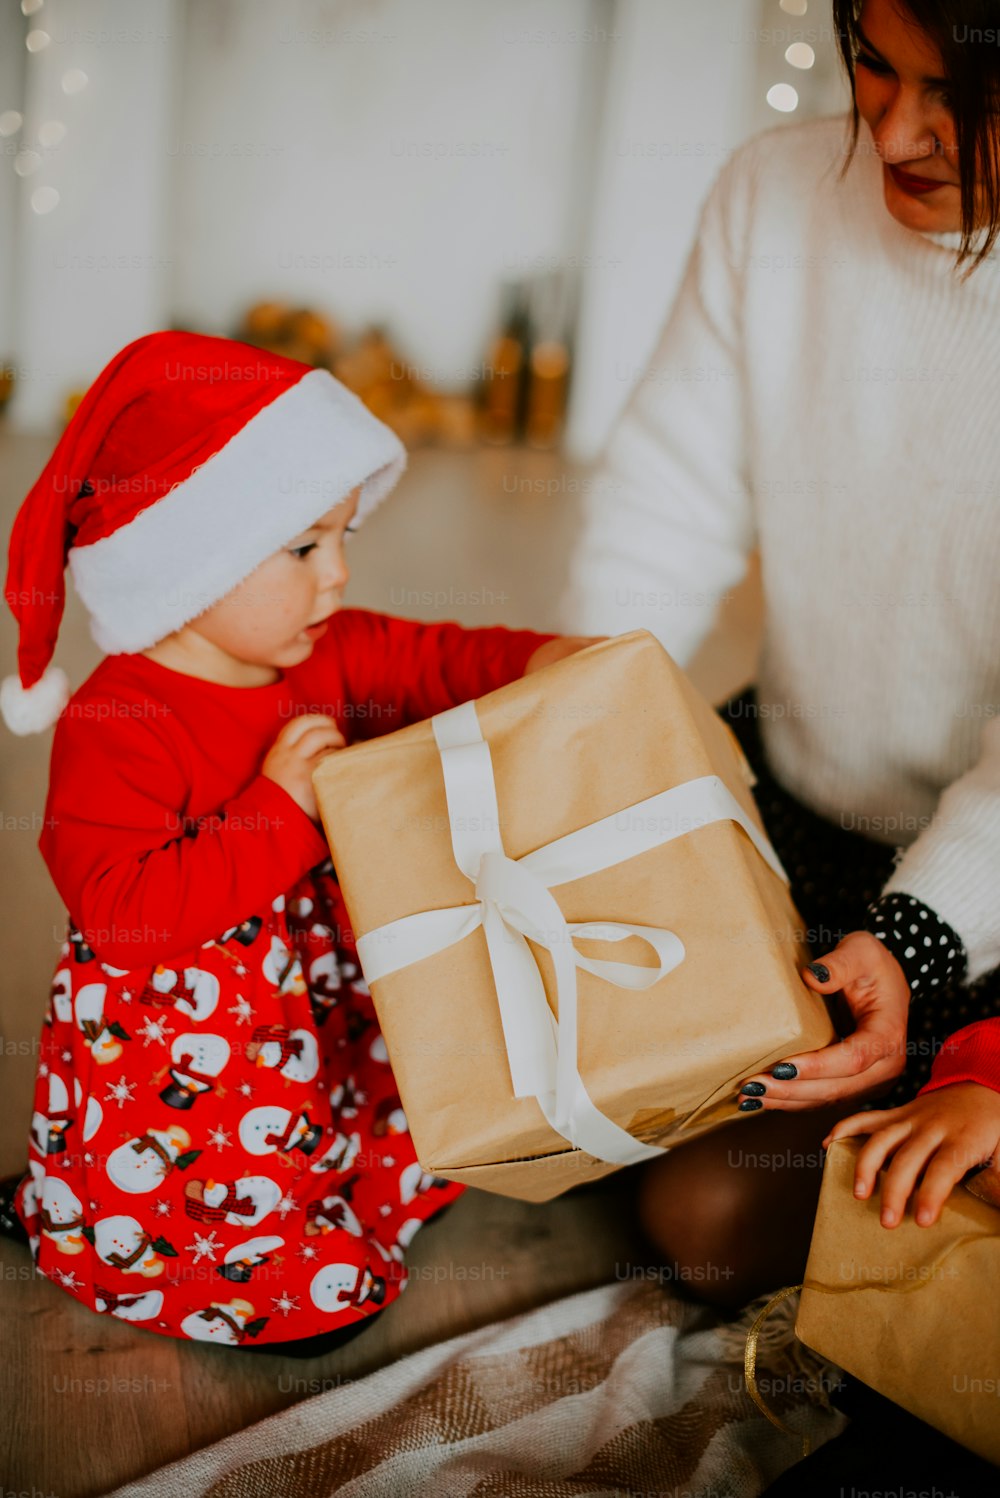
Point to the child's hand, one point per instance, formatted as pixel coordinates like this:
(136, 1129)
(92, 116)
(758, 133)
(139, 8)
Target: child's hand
(558, 649)
(942, 1134)
(297, 751)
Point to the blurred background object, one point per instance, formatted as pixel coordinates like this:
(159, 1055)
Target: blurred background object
(411, 195)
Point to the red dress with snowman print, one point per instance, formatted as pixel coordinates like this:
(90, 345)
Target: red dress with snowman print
(217, 1149)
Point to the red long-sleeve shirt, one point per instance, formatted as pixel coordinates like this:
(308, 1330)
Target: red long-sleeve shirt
(970, 1055)
(160, 831)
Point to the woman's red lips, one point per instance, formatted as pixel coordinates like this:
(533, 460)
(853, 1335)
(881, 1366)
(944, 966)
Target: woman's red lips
(910, 182)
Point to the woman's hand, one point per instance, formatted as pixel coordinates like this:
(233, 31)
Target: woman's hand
(877, 994)
(939, 1136)
(296, 752)
(558, 649)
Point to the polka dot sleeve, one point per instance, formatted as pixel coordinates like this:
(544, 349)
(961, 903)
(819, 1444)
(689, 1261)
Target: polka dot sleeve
(930, 953)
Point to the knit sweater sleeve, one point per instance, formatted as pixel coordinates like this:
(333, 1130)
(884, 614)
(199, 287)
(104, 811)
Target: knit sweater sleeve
(668, 527)
(954, 865)
(970, 1055)
(142, 880)
(400, 671)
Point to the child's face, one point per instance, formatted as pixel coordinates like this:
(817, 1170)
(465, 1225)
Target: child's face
(274, 617)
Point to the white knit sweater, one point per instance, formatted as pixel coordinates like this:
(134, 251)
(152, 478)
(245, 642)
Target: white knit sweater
(827, 390)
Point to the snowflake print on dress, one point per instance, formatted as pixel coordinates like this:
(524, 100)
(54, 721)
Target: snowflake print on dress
(205, 1246)
(155, 1031)
(120, 1092)
(242, 1011)
(284, 1303)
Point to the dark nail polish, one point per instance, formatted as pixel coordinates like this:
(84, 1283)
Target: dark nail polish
(753, 1089)
(784, 1071)
(750, 1105)
(819, 972)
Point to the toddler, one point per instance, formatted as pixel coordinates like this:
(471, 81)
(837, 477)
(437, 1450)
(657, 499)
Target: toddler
(217, 1150)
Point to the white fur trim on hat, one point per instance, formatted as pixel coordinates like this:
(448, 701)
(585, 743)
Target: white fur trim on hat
(295, 459)
(33, 709)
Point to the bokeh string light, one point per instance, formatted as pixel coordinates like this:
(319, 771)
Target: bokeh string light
(784, 96)
(51, 134)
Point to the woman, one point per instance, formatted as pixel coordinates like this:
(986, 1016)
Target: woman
(825, 389)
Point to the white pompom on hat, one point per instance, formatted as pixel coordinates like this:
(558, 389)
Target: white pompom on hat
(189, 461)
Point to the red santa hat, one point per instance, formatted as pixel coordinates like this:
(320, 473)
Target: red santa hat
(187, 463)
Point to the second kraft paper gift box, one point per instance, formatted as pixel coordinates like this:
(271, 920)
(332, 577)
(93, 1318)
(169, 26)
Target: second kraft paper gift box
(577, 936)
(909, 1310)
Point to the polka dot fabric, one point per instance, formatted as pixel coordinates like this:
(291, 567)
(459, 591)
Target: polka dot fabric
(930, 953)
(837, 876)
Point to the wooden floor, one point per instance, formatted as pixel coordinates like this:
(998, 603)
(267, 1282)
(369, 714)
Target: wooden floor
(89, 1402)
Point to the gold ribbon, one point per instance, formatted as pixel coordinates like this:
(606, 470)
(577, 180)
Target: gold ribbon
(750, 1364)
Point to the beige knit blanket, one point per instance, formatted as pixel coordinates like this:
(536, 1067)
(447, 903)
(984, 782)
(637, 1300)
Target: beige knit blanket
(622, 1390)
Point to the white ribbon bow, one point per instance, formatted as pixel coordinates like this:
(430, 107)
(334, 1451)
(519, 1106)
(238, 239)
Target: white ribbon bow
(513, 902)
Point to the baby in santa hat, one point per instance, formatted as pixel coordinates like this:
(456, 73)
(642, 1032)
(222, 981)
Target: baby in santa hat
(201, 496)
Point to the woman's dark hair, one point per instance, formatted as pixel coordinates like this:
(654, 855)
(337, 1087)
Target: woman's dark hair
(967, 35)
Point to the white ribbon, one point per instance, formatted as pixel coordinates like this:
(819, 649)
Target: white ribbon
(513, 902)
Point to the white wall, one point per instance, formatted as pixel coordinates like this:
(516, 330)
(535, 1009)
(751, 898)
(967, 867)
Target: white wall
(91, 274)
(687, 85)
(12, 54)
(382, 160)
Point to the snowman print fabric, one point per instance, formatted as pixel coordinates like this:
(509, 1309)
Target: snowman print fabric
(217, 1150)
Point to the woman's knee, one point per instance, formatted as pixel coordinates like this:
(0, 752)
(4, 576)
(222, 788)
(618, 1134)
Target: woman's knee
(696, 1212)
(731, 1213)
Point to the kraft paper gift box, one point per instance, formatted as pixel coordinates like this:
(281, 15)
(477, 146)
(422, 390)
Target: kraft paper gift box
(910, 1310)
(577, 937)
